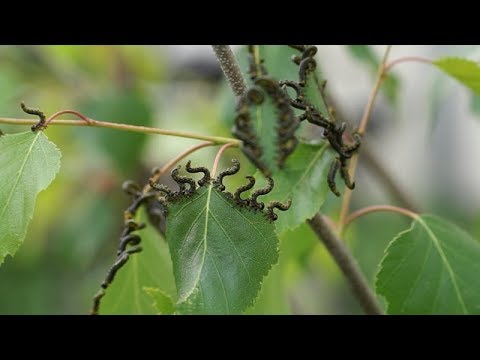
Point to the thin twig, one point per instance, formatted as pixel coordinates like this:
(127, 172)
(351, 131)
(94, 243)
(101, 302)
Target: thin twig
(230, 68)
(361, 130)
(73, 112)
(347, 263)
(157, 174)
(126, 127)
(377, 208)
(389, 66)
(362, 126)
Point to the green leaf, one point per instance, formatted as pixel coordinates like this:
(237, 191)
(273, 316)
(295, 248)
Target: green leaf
(432, 268)
(366, 55)
(151, 268)
(467, 72)
(304, 180)
(126, 106)
(278, 61)
(264, 118)
(272, 298)
(220, 252)
(161, 301)
(28, 164)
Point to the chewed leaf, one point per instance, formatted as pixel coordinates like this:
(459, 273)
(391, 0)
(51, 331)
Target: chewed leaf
(28, 164)
(222, 245)
(220, 252)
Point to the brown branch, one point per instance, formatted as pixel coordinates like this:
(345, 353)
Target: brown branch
(230, 68)
(347, 196)
(126, 127)
(347, 263)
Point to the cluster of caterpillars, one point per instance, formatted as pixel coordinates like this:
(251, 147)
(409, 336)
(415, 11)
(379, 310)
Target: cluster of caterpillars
(251, 203)
(129, 241)
(287, 123)
(333, 132)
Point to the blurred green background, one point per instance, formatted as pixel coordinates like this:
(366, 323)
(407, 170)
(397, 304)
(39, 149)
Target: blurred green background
(72, 238)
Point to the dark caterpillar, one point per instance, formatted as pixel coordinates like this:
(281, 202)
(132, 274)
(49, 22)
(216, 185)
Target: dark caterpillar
(206, 173)
(182, 180)
(243, 188)
(168, 195)
(333, 132)
(259, 192)
(276, 205)
(41, 123)
(129, 242)
(218, 182)
(265, 87)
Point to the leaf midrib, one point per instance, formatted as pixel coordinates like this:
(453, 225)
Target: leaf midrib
(202, 263)
(436, 242)
(19, 175)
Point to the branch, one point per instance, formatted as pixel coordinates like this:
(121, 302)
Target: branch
(230, 68)
(345, 261)
(380, 208)
(126, 127)
(405, 59)
(361, 130)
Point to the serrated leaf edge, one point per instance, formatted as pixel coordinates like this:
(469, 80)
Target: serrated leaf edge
(40, 133)
(435, 241)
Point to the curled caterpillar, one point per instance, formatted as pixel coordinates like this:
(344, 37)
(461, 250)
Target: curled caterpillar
(259, 192)
(41, 123)
(243, 188)
(218, 182)
(130, 239)
(277, 205)
(206, 173)
(182, 180)
(131, 188)
(160, 188)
